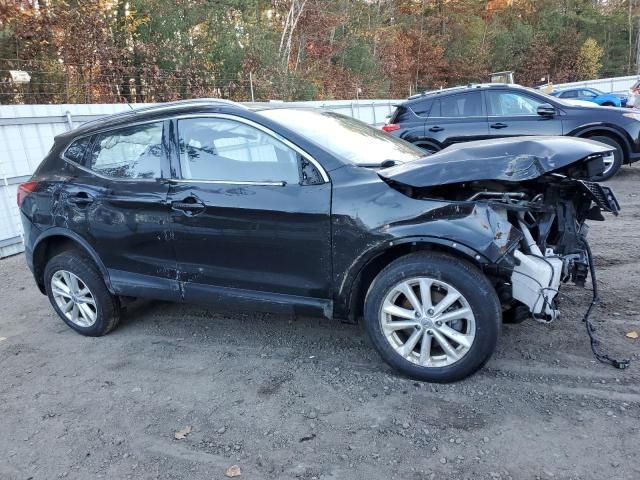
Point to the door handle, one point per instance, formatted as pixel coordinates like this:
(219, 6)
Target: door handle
(499, 125)
(436, 128)
(81, 199)
(189, 206)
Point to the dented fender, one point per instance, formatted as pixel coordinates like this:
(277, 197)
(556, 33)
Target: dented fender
(387, 219)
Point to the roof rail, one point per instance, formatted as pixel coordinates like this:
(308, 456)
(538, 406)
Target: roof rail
(164, 106)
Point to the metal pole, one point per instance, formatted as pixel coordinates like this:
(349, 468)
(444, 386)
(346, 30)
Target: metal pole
(251, 85)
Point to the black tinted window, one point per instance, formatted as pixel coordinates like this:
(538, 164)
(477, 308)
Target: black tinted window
(422, 108)
(569, 94)
(75, 152)
(226, 150)
(461, 105)
(132, 152)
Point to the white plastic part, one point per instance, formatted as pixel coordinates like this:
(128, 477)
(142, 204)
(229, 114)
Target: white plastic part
(535, 283)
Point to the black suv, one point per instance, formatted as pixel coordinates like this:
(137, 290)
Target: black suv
(434, 120)
(309, 212)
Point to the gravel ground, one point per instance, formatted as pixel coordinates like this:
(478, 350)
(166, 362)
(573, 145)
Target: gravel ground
(285, 397)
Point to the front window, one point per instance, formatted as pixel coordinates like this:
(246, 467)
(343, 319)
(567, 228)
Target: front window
(225, 150)
(348, 139)
(503, 103)
(590, 93)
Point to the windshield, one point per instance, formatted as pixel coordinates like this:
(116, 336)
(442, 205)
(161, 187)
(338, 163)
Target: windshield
(347, 138)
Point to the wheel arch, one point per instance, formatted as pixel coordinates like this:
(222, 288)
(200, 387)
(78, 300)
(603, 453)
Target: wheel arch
(606, 131)
(427, 142)
(57, 240)
(356, 284)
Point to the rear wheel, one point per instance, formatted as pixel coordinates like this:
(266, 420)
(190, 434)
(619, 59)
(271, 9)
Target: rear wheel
(613, 162)
(79, 295)
(433, 317)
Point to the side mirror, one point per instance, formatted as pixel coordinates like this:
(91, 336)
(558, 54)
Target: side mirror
(546, 110)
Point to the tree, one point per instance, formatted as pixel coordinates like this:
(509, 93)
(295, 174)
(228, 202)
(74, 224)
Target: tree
(589, 59)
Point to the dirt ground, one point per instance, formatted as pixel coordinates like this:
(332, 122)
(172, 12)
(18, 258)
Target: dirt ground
(301, 398)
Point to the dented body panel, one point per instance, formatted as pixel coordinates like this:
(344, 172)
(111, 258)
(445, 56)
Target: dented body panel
(368, 218)
(310, 248)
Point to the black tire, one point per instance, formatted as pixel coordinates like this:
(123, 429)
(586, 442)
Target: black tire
(618, 156)
(107, 306)
(461, 275)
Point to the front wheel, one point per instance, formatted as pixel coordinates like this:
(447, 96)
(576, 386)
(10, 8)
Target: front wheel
(612, 162)
(433, 317)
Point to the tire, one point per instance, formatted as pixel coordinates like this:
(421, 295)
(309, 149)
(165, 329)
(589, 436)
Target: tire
(608, 104)
(618, 157)
(99, 313)
(478, 296)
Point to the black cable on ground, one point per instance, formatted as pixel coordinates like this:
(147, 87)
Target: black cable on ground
(602, 357)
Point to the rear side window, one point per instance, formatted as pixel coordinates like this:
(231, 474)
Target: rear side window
(76, 151)
(422, 108)
(461, 105)
(569, 94)
(130, 153)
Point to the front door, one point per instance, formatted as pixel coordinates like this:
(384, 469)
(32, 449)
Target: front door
(514, 114)
(250, 215)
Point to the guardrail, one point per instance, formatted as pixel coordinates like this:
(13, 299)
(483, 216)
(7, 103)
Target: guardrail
(27, 132)
(609, 85)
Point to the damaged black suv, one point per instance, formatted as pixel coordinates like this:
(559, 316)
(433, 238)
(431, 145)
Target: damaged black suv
(310, 212)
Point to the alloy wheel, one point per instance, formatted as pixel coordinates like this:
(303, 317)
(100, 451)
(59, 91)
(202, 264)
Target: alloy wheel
(74, 299)
(428, 322)
(609, 161)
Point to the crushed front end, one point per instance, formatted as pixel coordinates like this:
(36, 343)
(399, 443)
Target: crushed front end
(537, 198)
(550, 213)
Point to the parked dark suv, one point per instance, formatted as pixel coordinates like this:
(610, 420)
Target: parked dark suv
(310, 212)
(435, 120)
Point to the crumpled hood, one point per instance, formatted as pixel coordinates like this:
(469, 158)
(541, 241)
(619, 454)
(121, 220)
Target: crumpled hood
(514, 159)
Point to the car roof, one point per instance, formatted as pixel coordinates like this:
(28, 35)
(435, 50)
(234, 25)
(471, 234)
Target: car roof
(150, 112)
(573, 88)
(462, 88)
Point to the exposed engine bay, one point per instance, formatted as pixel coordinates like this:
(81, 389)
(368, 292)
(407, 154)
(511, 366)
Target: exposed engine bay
(536, 196)
(550, 215)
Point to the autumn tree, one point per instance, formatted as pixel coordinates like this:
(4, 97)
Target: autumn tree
(589, 59)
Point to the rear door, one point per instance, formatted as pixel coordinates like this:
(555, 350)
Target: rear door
(116, 199)
(250, 215)
(514, 113)
(460, 117)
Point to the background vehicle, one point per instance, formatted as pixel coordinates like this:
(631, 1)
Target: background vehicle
(300, 211)
(592, 95)
(435, 120)
(634, 93)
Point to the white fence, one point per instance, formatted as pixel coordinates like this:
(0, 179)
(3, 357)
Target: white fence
(614, 85)
(27, 131)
